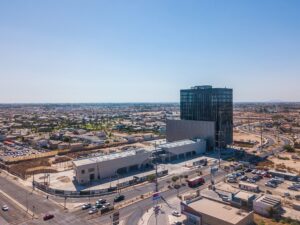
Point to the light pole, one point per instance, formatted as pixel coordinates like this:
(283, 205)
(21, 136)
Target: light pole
(26, 201)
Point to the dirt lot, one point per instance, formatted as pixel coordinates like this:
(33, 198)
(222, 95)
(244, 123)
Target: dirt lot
(285, 161)
(240, 136)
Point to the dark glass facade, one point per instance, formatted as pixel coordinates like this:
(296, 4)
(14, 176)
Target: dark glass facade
(204, 103)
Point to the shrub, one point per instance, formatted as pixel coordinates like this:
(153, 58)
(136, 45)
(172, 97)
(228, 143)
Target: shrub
(289, 148)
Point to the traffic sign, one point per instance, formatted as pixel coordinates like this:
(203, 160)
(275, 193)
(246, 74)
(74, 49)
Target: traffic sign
(156, 196)
(156, 209)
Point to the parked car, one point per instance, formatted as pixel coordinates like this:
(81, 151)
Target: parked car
(225, 198)
(250, 180)
(231, 180)
(101, 201)
(268, 175)
(99, 206)
(279, 179)
(293, 188)
(297, 185)
(119, 198)
(238, 174)
(93, 210)
(5, 208)
(275, 180)
(48, 217)
(176, 213)
(86, 206)
(270, 184)
(257, 177)
(244, 178)
(248, 170)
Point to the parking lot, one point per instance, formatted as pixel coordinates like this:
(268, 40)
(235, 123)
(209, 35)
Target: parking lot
(12, 150)
(266, 183)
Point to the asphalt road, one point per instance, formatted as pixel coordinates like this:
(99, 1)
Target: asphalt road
(133, 212)
(14, 215)
(38, 204)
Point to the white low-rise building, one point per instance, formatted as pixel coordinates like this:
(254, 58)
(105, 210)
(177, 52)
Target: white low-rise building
(106, 166)
(184, 148)
(265, 204)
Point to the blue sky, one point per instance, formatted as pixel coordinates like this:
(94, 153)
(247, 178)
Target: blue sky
(146, 51)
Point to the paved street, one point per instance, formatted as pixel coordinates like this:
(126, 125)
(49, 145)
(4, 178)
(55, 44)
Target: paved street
(15, 214)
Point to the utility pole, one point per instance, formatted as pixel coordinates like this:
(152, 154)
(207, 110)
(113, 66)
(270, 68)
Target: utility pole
(261, 136)
(65, 203)
(261, 133)
(156, 173)
(156, 207)
(219, 137)
(26, 201)
(33, 184)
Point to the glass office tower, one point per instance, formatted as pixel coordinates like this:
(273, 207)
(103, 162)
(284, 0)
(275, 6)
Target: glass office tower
(205, 103)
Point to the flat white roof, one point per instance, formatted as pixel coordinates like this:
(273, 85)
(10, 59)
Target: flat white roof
(92, 160)
(244, 195)
(177, 143)
(269, 200)
(218, 210)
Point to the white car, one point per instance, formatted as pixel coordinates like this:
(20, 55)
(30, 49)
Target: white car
(5, 208)
(93, 210)
(176, 213)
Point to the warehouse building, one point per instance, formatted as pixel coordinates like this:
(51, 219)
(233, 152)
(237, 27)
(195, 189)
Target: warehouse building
(106, 166)
(183, 149)
(266, 204)
(203, 211)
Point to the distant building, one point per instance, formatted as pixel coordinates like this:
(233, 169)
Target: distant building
(204, 211)
(204, 103)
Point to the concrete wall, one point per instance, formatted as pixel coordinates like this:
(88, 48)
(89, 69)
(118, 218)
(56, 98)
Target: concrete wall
(190, 129)
(261, 208)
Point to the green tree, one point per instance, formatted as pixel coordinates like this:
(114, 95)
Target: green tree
(289, 148)
(151, 178)
(175, 178)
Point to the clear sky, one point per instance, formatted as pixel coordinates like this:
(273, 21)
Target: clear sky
(146, 51)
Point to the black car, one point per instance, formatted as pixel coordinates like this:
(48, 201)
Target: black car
(48, 217)
(257, 178)
(119, 198)
(101, 201)
(248, 170)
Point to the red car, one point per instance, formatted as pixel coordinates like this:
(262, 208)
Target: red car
(48, 216)
(268, 175)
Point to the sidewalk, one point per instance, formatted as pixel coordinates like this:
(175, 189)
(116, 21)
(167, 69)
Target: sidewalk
(146, 217)
(165, 216)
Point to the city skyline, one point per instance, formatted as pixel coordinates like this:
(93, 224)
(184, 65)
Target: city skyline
(100, 52)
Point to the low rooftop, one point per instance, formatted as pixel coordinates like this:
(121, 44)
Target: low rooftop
(87, 161)
(224, 212)
(243, 195)
(177, 143)
(269, 200)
